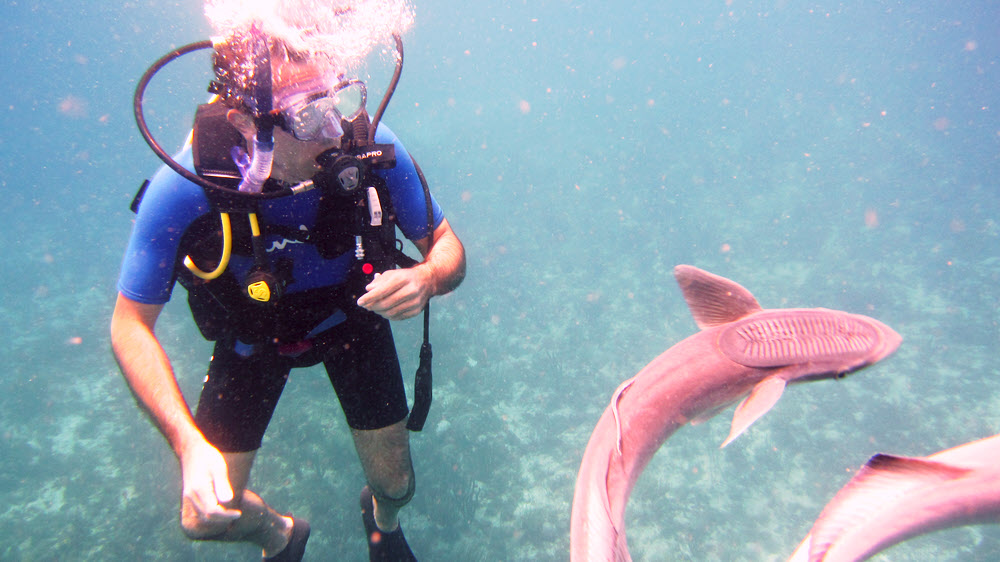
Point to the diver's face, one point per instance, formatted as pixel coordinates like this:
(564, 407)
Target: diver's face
(294, 159)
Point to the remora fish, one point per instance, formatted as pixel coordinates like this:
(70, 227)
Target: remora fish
(892, 499)
(741, 350)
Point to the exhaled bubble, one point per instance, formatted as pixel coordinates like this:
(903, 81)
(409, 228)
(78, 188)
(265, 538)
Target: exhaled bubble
(338, 34)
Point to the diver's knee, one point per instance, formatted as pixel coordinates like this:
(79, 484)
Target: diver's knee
(398, 494)
(197, 529)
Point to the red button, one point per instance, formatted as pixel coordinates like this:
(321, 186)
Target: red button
(367, 268)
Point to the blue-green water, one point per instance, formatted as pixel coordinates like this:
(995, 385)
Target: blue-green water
(836, 154)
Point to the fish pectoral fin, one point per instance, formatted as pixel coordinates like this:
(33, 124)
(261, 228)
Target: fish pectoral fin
(614, 410)
(761, 399)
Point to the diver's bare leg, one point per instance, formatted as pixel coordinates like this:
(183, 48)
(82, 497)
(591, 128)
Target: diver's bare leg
(385, 458)
(258, 524)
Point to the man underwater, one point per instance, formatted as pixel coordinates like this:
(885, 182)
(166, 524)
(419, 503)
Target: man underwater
(281, 282)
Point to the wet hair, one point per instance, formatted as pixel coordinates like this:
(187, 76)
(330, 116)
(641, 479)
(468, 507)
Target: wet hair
(333, 36)
(337, 35)
(234, 66)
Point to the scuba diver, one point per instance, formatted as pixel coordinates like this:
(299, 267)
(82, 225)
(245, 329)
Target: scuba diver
(278, 217)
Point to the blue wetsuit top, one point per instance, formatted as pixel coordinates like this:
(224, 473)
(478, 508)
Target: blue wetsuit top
(171, 204)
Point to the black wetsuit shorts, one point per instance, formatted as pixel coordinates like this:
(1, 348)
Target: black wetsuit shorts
(242, 389)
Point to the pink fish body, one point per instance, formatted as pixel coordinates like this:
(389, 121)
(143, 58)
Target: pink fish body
(892, 499)
(741, 351)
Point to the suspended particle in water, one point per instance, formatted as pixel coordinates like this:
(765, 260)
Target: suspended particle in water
(73, 106)
(871, 218)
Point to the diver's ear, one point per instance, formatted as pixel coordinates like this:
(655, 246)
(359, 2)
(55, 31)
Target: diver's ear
(242, 122)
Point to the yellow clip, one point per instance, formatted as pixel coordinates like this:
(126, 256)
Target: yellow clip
(259, 291)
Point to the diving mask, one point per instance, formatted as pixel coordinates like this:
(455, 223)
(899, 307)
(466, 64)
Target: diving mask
(318, 115)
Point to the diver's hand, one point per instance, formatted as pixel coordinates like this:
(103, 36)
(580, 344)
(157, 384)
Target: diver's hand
(206, 486)
(398, 294)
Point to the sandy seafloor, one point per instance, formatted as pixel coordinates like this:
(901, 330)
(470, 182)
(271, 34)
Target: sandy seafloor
(835, 154)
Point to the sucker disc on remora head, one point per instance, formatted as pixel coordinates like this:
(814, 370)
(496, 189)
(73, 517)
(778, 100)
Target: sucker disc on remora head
(792, 336)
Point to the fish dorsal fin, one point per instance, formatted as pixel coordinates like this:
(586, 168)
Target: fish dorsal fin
(883, 480)
(713, 300)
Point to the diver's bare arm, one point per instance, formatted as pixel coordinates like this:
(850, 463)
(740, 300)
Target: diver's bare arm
(149, 374)
(444, 258)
